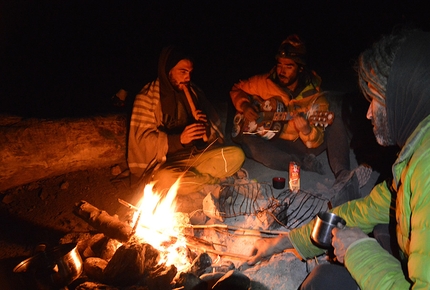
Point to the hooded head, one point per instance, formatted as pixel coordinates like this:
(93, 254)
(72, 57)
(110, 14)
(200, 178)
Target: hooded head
(170, 94)
(395, 72)
(169, 58)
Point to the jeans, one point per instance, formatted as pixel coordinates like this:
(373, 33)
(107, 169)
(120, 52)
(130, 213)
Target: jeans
(277, 153)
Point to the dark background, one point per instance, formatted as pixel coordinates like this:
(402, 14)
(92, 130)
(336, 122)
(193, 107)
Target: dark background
(67, 58)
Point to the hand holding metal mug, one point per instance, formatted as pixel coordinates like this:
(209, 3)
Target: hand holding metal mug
(325, 222)
(343, 238)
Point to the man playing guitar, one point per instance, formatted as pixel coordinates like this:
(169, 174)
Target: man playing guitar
(291, 87)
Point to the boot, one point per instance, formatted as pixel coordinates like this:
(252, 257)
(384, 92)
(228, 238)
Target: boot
(348, 183)
(345, 188)
(311, 163)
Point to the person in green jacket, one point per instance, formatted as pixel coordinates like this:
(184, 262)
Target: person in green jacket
(394, 76)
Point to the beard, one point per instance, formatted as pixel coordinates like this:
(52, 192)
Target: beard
(177, 85)
(380, 128)
(286, 81)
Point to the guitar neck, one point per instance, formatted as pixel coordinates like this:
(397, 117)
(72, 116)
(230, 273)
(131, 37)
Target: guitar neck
(275, 116)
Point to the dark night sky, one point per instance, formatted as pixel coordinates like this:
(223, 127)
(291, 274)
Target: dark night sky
(67, 58)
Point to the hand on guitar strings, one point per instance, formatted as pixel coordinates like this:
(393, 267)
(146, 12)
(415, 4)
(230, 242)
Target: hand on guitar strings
(249, 111)
(302, 125)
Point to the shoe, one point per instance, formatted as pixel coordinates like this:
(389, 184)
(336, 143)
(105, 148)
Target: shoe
(363, 173)
(311, 163)
(241, 174)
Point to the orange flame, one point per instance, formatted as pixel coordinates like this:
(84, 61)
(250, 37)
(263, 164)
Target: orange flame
(161, 226)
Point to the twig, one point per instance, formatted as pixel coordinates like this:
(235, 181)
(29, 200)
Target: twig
(129, 205)
(221, 253)
(227, 227)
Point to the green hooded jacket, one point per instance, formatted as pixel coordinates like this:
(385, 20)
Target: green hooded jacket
(370, 265)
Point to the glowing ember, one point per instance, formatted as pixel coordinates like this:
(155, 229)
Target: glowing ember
(160, 226)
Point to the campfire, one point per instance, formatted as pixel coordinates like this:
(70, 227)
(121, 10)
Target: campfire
(157, 223)
(155, 248)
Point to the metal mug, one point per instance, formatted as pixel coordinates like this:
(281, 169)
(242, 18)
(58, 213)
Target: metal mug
(325, 222)
(52, 269)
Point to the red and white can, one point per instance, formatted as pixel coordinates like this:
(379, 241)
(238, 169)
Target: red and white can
(294, 174)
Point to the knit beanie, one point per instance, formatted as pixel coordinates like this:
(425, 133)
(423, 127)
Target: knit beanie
(293, 48)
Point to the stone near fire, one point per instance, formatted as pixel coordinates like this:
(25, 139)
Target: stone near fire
(160, 278)
(94, 286)
(189, 281)
(212, 278)
(197, 217)
(129, 263)
(94, 267)
(210, 207)
(200, 264)
(223, 266)
(233, 280)
(109, 249)
(90, 249)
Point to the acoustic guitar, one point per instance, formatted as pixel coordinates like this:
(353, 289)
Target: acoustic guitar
(272, 115)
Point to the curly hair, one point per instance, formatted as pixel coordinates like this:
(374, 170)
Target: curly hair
(374, 64)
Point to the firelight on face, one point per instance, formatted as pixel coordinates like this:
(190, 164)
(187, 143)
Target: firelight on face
(287, 71)
(180, 74)
(377, 113)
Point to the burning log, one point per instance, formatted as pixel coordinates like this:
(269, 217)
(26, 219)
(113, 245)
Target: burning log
(109, 225)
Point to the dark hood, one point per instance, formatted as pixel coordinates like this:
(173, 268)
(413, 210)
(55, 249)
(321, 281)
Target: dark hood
(408, 87)
(169, 96)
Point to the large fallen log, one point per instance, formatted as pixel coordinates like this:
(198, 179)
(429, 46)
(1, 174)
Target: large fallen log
(33, 149)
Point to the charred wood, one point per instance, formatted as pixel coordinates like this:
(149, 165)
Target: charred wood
(103, 222)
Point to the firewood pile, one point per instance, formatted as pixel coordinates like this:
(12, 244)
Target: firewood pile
(113, 258)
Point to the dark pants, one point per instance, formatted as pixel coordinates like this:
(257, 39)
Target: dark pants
(334, 276)
(277, 153)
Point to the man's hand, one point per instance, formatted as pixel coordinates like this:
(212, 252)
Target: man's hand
(249, 111)
(343, 238)
(200, 116)
(264, 248)
(193, 132)
(302, 125)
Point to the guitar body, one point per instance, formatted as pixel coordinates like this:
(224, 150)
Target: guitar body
(272, 116)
